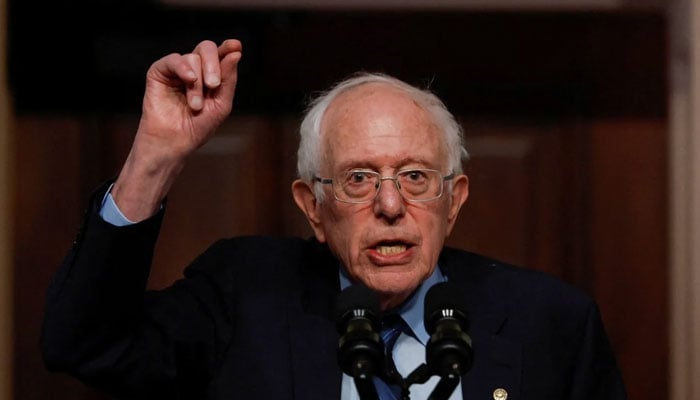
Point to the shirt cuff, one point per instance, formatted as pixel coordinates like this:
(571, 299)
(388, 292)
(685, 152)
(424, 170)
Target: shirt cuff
(111, 213)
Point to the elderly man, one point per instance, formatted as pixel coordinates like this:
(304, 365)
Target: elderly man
(381, 186)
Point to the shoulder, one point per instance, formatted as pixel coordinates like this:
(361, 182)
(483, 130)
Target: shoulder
(550, 327)
(259, 257)
(256, 249)
(536, 309)
(527, 290)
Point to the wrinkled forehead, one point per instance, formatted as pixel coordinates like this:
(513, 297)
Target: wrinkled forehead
(364, 101)
(378, 119)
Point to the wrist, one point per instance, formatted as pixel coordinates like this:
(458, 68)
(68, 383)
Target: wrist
(143, 183)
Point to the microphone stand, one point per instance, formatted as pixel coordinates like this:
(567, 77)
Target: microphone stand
(362, 373)
(392, 375)
(449, 367)
(365, 388)
(443, 390)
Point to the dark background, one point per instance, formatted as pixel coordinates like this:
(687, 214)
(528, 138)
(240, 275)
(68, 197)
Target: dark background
(92, 56)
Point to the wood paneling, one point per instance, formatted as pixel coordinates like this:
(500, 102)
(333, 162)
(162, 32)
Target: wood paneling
(228, 188)
(627, 251)
(525, 189)
(50, 169)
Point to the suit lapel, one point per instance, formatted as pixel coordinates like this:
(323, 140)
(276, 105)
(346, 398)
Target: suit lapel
(497, 361)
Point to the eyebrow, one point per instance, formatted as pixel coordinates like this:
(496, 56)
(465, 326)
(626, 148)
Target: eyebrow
(401, 164)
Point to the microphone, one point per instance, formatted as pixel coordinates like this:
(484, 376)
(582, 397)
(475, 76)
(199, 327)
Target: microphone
(360, 348)
(449, 351)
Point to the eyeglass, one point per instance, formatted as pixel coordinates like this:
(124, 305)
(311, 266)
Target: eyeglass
(362, 185)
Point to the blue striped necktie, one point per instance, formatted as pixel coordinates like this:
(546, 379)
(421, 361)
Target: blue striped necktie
(392, 326)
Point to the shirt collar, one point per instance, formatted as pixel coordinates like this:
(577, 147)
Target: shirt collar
(412, 309)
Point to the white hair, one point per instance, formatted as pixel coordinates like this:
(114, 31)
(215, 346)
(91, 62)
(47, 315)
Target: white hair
(309, 153)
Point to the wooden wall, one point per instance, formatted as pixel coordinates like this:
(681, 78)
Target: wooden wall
(6, 266)
(568, 175)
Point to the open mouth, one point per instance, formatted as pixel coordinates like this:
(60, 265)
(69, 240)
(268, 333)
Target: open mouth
(391, 248)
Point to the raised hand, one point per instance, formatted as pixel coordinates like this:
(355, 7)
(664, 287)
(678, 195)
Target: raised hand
(187, 97)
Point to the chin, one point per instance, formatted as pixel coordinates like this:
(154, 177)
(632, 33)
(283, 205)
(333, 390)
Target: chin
(393, 288)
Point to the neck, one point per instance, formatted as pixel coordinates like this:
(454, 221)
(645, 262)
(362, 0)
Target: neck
(392, 301)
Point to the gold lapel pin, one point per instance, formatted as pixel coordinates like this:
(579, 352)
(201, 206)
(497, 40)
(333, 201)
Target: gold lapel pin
(500, 394)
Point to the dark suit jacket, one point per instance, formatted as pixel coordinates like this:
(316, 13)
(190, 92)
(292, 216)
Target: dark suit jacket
(252, 319)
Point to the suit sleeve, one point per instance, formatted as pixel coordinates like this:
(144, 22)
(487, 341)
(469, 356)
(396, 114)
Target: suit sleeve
(101, 326)
(596, 375)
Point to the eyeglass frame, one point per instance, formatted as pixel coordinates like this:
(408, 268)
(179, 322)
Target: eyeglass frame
(395, 178)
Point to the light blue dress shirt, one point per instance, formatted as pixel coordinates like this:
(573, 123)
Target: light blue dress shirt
(409, 350)
(111, 213)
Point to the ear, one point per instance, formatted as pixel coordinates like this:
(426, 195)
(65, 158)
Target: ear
(458, 196)
(305, 198)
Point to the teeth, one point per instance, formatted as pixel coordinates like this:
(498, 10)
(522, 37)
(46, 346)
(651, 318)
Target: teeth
(388, 250)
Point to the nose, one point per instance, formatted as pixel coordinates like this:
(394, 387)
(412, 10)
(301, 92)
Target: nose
(389, 203)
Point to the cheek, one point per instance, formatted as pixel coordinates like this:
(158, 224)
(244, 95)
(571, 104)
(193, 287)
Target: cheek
(341, 232)
(431, 221)
(433, 229)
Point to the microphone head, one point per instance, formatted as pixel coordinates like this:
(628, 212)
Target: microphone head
(448, 352)
(444, 300)
(360, 348)
(356, 301)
